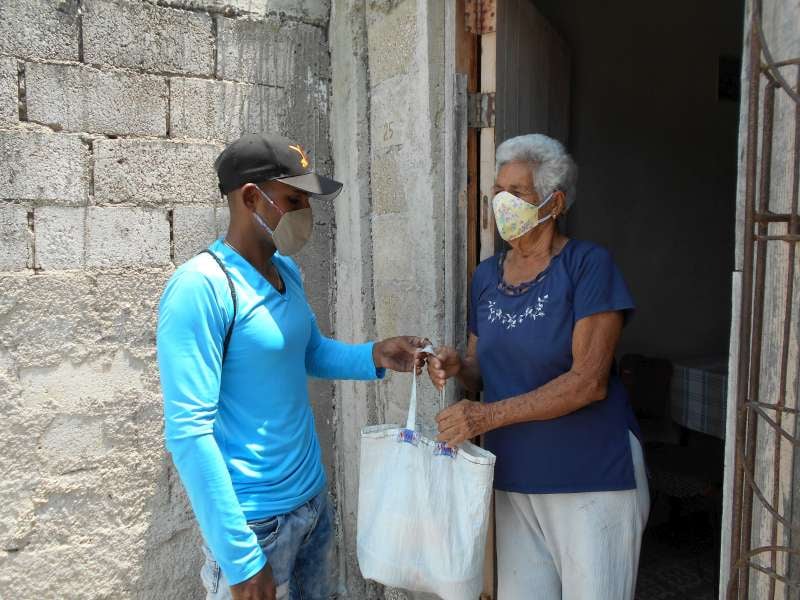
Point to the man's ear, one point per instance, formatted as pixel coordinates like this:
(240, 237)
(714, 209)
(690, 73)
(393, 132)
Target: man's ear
(249, 196)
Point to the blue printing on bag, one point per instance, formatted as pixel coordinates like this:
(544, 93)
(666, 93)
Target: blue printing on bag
(443, 449)
(408, 436)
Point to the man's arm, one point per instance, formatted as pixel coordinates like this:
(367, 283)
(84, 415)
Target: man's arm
(191, 328)
(327, 358)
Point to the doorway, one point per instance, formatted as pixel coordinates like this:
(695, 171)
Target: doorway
(646, 98)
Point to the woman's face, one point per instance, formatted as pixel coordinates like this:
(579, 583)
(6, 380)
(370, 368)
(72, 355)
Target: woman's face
(516, 178)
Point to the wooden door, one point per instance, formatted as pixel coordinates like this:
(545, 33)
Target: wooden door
(517, 69)
(533, 74)
(524, 81)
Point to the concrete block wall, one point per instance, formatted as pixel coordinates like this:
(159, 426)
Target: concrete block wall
(388, 62)
(111, 114)
(406, 66)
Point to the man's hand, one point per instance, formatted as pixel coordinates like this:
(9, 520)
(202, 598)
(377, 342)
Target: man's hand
(446, 363)
(400, 353)
(260, 586)
(463, 421)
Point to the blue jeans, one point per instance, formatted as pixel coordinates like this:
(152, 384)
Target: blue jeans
(299, 545)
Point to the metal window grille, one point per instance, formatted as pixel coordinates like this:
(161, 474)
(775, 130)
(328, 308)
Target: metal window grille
(766, 424)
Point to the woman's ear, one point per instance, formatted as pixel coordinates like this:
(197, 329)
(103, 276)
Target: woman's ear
(559, 204)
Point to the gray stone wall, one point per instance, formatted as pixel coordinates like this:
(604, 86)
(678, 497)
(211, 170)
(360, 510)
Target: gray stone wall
(111, 114)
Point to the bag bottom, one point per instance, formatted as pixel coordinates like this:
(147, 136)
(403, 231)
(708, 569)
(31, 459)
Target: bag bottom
(413, 579)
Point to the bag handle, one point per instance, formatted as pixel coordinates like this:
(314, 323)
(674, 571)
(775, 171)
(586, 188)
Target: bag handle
(411, 422)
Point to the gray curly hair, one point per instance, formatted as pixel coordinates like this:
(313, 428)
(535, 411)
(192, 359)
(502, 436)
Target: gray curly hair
(553, 168)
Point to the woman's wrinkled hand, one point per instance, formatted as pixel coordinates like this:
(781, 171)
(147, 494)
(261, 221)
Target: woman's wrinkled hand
(462, 421)
(443, 365)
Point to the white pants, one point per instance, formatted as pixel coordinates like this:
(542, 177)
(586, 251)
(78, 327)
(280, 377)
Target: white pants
(580, 546)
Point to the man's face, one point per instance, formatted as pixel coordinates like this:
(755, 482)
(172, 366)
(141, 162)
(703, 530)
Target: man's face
(284, 199)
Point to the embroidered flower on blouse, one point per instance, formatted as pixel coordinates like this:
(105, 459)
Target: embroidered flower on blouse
(513, 320)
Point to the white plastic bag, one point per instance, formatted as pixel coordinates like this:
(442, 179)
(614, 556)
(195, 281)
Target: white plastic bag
(423, 510)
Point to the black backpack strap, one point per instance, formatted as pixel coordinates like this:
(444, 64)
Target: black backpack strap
(233, 296)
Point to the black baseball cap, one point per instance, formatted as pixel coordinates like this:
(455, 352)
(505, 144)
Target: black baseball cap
(258, 157)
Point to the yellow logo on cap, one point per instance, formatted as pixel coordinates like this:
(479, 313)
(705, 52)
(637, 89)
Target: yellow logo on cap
(303, 158)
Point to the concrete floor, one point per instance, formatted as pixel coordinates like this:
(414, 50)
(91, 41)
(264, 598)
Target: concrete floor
(679, 560)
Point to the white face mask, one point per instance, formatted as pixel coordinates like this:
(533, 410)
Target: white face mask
(293, 230)
(515, 217)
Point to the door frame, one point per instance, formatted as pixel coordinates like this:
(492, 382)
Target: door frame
(470, 44)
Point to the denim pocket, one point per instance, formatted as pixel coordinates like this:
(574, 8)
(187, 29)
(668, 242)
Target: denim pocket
(210, 574)
(266, 530)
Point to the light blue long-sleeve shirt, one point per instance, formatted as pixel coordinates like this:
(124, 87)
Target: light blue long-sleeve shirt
(242, 433)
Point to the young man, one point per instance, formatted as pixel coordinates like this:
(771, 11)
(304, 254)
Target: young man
(236, 341)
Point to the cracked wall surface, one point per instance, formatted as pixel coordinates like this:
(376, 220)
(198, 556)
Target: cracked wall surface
(111, 113)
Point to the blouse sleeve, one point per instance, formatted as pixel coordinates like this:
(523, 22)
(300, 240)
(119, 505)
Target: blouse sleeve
(481, 278)
(600, 287)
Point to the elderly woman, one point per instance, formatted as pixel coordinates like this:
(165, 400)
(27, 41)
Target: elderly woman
(545, 318)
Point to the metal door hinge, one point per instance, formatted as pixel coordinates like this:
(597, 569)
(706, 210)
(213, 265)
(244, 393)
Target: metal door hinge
(480, 110)
(481, 16)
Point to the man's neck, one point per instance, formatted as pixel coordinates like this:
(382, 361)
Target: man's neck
(257, 253)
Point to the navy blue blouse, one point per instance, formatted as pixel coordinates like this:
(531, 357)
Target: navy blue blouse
(525, 341)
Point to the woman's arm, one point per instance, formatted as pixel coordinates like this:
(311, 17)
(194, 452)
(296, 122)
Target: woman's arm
(593, 343)
(447, 363)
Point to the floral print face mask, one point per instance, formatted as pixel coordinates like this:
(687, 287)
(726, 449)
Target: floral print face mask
(514, 216)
